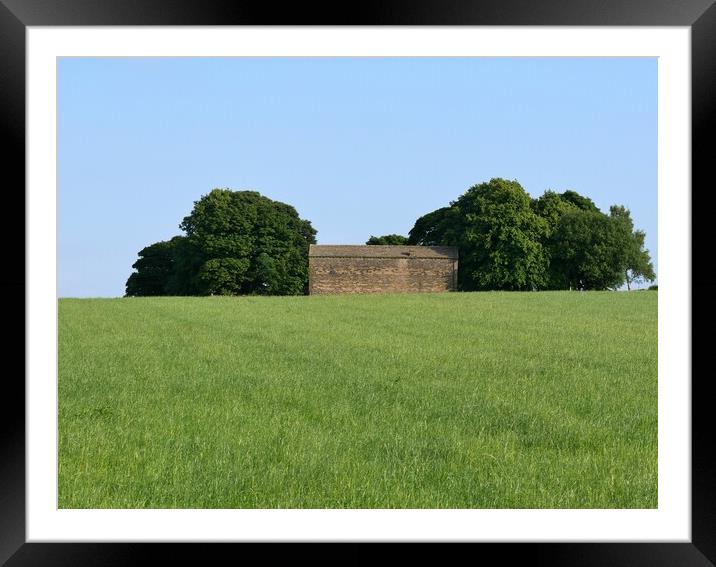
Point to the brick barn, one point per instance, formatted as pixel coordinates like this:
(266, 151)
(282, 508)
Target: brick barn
(381, 269)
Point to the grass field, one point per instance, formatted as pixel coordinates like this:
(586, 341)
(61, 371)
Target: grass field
(459, 400)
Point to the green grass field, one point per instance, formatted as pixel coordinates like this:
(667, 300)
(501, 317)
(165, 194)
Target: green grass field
(458, 400)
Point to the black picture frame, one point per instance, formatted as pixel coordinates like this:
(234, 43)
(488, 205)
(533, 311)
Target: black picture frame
(17, 15)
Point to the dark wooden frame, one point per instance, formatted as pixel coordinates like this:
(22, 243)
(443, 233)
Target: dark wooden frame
(16, 15)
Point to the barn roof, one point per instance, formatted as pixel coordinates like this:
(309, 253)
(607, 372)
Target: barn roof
(380, 251)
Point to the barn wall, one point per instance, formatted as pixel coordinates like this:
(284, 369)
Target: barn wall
(380, 275)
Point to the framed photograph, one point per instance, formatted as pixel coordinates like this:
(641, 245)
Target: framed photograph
(71, 72)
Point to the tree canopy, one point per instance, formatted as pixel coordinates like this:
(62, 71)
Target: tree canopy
(498, 234)
(154, 268)
(388, 239)
(509, 241)
(436, 228)
(237, 242)
(638, 266)
(589, 250)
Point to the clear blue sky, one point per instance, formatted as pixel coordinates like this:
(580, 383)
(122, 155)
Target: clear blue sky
(360, 146)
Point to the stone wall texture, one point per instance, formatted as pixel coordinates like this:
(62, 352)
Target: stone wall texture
(381, 269)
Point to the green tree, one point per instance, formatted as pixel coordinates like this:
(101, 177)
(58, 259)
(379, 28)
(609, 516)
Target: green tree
(552, 206)
(509, 241)
(237, 242)
(435, 228)
(638, 266)
(223, 276)
(388, 239)
(590, 250)
(153, 269)
(188, 261)
(244, 243)
(579, 201)
(498, 234)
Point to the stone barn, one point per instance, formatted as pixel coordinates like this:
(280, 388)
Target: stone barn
(381, 269)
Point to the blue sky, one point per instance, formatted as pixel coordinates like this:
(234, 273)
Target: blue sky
(360, 146)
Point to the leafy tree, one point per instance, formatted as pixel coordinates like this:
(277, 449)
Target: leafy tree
(579, 201)
(591, 250)
(497, 232)
(560, 240)
(153, 269)
(188, 260)
(501, 238)
(600, 243)
(245, 243)
(237, 242)
(394, 239)
(638, 266)
(552, 206)
(436, 228)
(223, 276)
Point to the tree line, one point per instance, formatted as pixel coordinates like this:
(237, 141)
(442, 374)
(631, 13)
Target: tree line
(240, 242)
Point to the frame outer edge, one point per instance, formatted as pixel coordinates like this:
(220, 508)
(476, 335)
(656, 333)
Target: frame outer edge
(12, 463)
(703, 124)
(12, 283)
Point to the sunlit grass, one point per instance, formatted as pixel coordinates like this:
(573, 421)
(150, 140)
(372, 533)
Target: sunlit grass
(457, 400)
